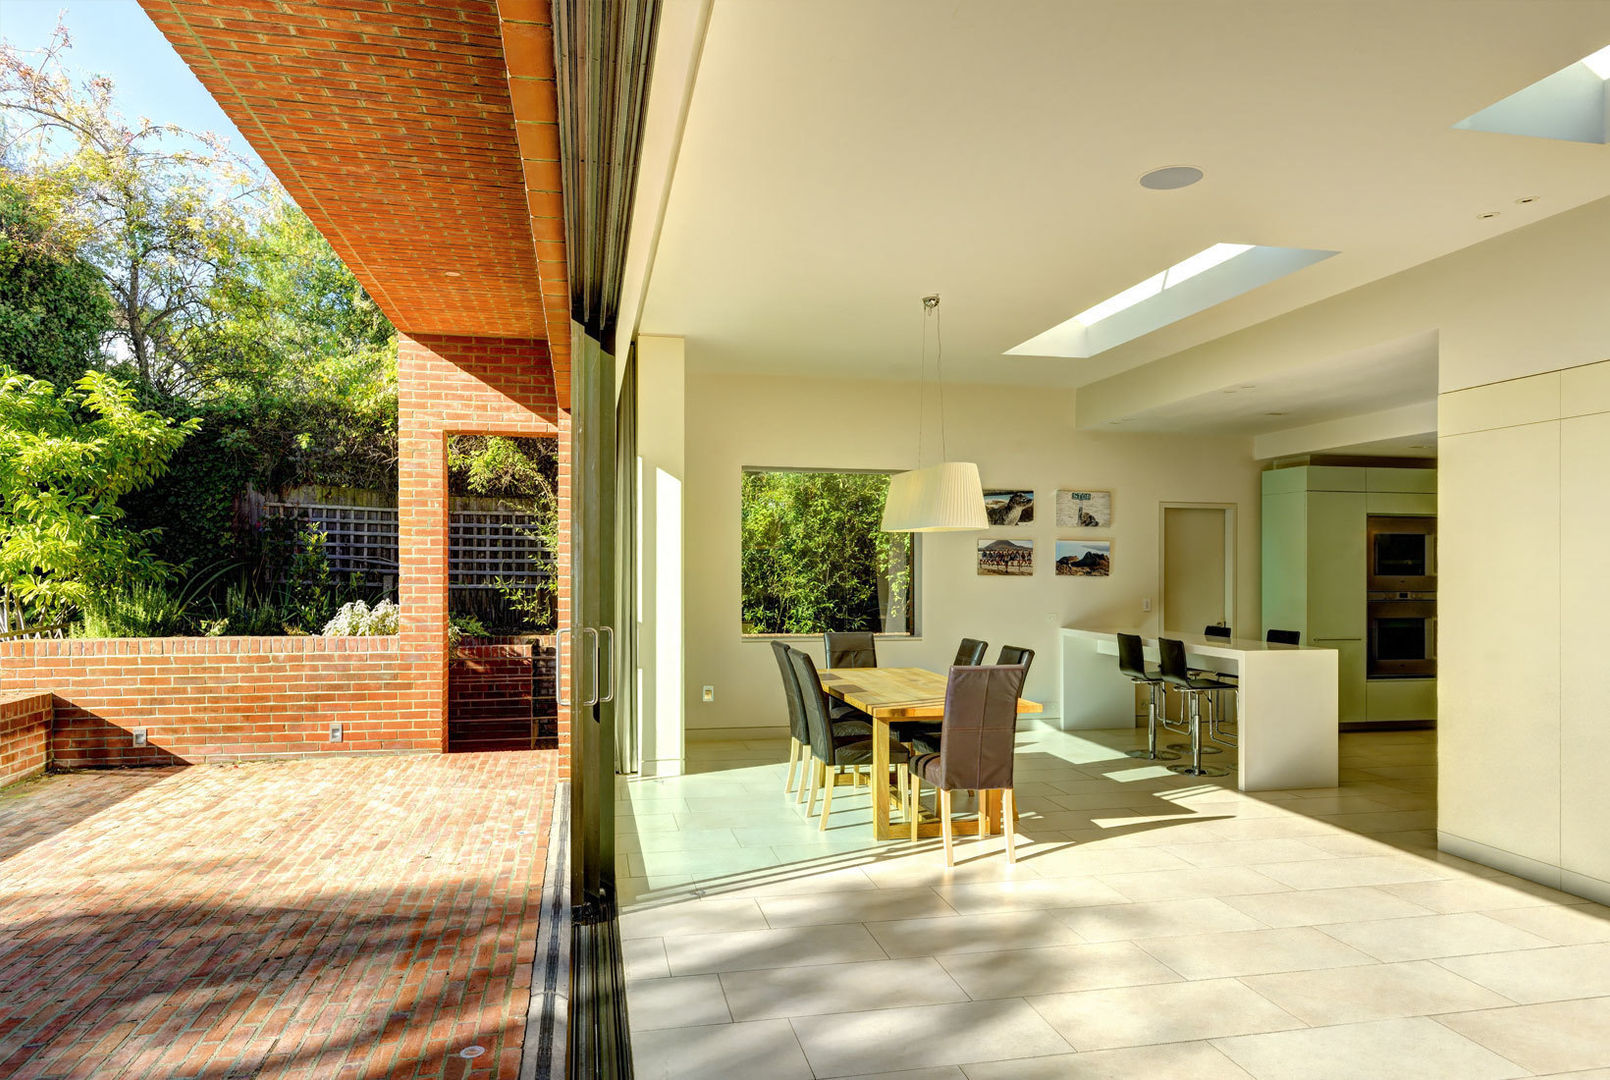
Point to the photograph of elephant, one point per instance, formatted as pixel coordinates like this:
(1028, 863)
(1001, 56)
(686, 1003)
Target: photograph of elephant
(998, 558)
(1009, 506)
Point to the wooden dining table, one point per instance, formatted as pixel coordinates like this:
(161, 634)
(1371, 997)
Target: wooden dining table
(889, 694)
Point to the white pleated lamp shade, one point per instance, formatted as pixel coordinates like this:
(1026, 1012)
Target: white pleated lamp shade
(947, 497)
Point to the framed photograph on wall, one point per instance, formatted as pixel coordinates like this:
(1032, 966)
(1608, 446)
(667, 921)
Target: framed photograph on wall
(999, 557)
(1084, 558)
(1009, 506)
(1084, 509)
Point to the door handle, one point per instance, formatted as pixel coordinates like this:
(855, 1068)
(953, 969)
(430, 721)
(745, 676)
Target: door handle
(592, 698)
(613, 665)
(559, 666)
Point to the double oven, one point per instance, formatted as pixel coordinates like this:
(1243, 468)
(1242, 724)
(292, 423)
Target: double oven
(1402, 597)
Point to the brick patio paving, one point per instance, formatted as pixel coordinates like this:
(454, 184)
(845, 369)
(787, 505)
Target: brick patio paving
(350, 917)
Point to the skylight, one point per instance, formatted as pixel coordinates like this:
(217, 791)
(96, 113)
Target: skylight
(1211, 276)
(1571, 104)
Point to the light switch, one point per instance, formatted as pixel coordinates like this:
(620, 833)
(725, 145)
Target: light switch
(709, 693)
(1146, 603)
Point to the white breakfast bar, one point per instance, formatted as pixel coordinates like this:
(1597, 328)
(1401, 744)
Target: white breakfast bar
(1286, 705)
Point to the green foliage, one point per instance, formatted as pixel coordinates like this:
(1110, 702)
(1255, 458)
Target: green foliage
(814, 558)
(54, 307)
(144, 609)
(524, 473)
(66, 460)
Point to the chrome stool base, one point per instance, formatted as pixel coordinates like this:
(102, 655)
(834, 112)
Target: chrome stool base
(1149, 755)
(1192, 770)
(1187, 747)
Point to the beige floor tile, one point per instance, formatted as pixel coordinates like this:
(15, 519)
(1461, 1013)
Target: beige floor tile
(1247, 852)
(1187, 1061)
(1282, 827)
(838, 988)
(844, 1044)
(939, 1072)
(1411, 1049)
(1078, 860)
(692, 917)
(1169, 1012)
(1315, 907)
(1569, 924)
(1252, 952)
(1591, 1074)
(681, 1002)
(1567, 971)
(1477, 894)
(838, 875)
(993, 932)
(1375, 992)
(1422, 937)
(1157, 918)
(1555, 1037)
(1189, 884)
(1339, 873)
(748, 950)
(976, 861)
(644, 958)
(877, 905)
(1055, 970)
(720, 1052)
(1032, 893)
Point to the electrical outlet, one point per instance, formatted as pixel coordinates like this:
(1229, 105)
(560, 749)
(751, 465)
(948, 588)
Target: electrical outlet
(139, 737)
(1146, 603)
(335, 732)
(709, 693)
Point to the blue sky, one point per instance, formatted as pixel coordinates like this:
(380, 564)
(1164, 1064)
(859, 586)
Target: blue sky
(114, 38)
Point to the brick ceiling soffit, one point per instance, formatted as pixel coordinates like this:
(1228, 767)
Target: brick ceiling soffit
(528, 53)
(392, 126)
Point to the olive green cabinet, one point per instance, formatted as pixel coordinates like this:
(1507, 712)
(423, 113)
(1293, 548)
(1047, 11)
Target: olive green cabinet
(1315, 571)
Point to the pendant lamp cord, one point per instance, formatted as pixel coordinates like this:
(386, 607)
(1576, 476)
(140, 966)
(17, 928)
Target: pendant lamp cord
(939, 364)
(922, 383)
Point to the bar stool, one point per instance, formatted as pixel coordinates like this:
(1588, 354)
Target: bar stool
(1132, 662)
(1218, 633)
(1176, 674)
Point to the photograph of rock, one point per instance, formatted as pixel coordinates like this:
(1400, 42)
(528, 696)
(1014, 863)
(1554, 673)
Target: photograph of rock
(1084, 558)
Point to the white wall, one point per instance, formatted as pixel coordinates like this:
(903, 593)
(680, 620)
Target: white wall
(1525, 583)
(660, 471)
(1019, 438)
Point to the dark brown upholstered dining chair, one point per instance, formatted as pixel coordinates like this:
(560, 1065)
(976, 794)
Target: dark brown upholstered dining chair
(970, 653)
(798, 737)
(975, 751)
(827, 747)
(844, 650)
(1015, 656)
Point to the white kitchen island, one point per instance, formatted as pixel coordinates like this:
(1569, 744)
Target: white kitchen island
(1286, 704)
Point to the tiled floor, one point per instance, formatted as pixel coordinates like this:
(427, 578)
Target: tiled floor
(1154, 927)
(339, 918)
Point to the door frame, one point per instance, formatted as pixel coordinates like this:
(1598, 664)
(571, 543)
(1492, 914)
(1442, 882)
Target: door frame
(1232, 558)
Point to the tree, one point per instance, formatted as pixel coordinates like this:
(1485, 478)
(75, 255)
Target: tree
(154, 208)
(66, 459)
(54, 308)
(814, 558)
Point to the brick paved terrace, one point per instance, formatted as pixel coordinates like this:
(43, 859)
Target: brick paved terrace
(344, 917)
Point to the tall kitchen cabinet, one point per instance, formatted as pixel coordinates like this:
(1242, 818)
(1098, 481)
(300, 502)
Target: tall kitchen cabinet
(1315, 573)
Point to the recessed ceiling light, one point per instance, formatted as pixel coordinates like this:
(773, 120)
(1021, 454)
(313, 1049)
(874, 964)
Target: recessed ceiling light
(1524, 199)
(1484, 215)
(1174, 176)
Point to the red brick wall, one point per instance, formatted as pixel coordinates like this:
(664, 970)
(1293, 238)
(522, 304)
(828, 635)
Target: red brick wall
(24, 735)
(471, 386)
(219, 699)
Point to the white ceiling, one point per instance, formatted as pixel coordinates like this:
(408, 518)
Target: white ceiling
(841, 158)
(1363, 381)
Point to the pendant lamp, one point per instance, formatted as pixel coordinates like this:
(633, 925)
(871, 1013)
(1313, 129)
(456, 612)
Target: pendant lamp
(946, 497)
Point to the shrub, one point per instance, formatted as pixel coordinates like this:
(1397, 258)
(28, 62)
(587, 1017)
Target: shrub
(358, 619)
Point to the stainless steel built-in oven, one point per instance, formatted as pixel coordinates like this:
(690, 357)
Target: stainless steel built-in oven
(1403, 635)
(1402, 554)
